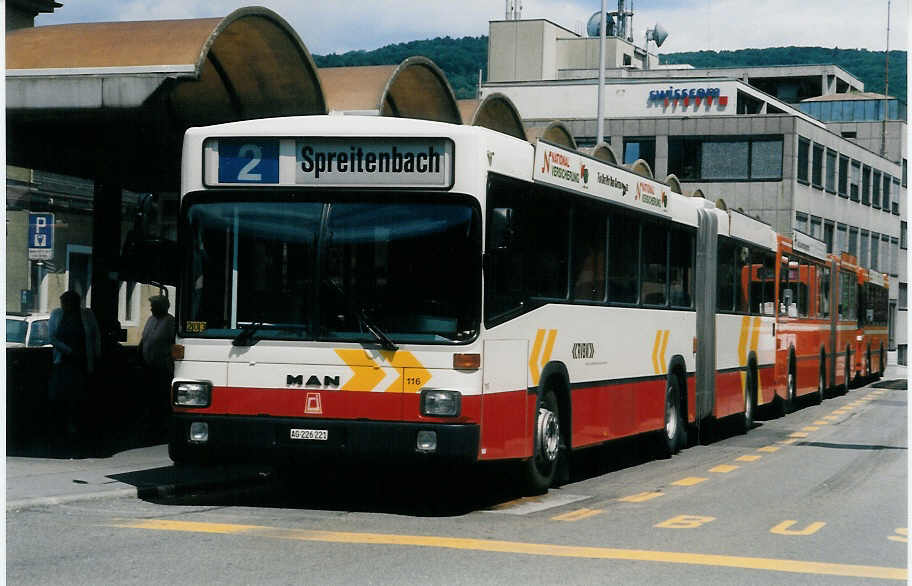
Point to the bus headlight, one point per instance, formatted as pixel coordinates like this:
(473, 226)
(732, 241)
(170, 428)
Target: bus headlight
(192, 394)
(439, 403)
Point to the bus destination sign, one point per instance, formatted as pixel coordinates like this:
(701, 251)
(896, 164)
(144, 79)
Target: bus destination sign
(330, 162)
(371, 162)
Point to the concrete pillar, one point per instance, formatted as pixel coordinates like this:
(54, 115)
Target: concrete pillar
(105, 256)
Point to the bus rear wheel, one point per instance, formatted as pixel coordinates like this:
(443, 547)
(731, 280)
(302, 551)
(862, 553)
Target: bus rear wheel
(750, 401)
(541, 468)
(672, 436)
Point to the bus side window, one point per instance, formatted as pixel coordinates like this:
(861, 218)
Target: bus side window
(623, 259)
(823, 292)
(725, 279)
(681, 268)
(801, 288)
(545, 230)
(786, 293)
(588, 255)
(654, 275)
(504, 295)
(743, 280)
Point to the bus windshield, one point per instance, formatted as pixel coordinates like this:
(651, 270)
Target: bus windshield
(333, 269)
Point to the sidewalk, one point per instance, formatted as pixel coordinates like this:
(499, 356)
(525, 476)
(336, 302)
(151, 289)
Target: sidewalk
(141, 473)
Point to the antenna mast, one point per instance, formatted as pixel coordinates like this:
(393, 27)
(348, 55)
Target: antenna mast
(883, 136)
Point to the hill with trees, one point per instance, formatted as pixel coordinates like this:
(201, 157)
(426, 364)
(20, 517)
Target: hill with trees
(462, 58)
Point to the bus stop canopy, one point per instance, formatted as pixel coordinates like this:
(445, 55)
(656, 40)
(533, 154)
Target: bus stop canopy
(110, 101)
(416, 88)
(495, 111)
(554, 132)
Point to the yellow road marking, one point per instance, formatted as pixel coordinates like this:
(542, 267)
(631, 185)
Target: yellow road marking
(798, 434)
(748, 458)
(685, 522)
(902, 535)
(577, 515)
(538, 549)
(832, 417)
(810, 428)
(821, 422)
(641, 497)
(723, 468)
(783, 528)
(768, 449)
(689, 481)
(788, 441)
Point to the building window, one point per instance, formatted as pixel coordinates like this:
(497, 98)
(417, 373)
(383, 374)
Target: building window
(853, 241)
(640, 148)
(895, 203)
(843, 176)
(902, 235)
(854, 180)
(828, 228)
(842, 240)
(863, 248)
(885, 206)
(817, 167)
(875, 190)
(831, 171)
(885, 260)
(875, 250)
(804, 146)
(725, 159)
(905, 172)
(816, 227)
(903, 294)
(801, 222)
(894, 257)
(866, 186)
(849, 134)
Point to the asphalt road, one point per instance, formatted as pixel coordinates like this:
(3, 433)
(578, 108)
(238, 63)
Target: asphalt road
(816, 497)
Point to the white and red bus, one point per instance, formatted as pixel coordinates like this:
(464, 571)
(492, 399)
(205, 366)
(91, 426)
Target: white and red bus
(376, 287)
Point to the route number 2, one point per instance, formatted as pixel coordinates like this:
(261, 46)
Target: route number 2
(255, 153)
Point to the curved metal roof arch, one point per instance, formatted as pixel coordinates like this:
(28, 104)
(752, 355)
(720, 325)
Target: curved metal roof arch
(416, 88)
(495, 111)
(555, 132)
(73, 89)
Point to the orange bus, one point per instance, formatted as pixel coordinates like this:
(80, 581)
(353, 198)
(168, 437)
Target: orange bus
(804, 321)
(846, 324)
(871, 338)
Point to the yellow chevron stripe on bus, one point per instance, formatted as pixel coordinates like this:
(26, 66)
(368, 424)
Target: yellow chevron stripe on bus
(659, 345)
(535, 364)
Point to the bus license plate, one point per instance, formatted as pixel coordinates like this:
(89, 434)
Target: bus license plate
(310, 434)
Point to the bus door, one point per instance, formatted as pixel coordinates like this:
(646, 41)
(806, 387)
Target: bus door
(707, 237)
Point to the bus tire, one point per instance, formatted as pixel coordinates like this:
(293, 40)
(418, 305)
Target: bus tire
(672, 435)
(821, 384)
(541, 468)
(868, 370)
(750, 401)
(847, 382)
(883, 361)
(791, 387)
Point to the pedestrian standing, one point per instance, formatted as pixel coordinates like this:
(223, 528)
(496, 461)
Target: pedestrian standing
(73, 332)
(155, 356)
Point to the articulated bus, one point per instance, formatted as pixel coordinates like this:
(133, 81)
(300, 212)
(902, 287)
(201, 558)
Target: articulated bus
(376, 287)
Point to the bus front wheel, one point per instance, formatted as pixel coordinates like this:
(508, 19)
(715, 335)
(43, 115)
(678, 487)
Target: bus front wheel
(541, 468)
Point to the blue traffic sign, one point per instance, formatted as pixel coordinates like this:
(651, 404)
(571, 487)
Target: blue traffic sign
(41, 236)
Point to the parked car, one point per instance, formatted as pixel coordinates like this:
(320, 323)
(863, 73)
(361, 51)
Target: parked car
(26, 330)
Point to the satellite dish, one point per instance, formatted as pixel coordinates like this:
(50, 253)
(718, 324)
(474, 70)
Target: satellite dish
(657, 34)
(593, 29)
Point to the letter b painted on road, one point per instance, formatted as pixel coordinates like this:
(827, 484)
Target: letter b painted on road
(685, 522)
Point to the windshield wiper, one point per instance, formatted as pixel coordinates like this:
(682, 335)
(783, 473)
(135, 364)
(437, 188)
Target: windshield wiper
(244, 338)
(385, 342)
(366, 322)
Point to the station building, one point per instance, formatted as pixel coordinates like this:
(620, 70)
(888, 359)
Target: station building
(799, 147)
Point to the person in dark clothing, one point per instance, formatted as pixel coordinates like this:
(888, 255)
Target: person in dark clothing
(158, 365)
(73, 332)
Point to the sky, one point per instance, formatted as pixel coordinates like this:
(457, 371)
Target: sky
(331, 26)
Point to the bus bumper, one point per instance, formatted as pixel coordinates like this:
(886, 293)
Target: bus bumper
(269, 439)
